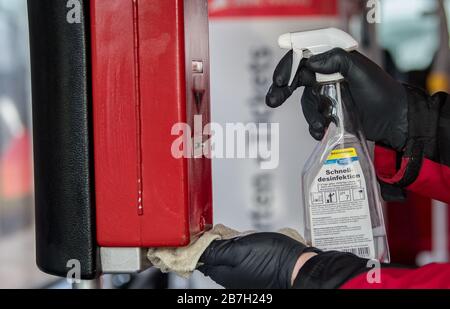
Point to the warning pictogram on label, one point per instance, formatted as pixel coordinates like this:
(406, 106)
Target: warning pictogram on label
(317, 197)
(345, 196)
(331, 197)
(358, 194)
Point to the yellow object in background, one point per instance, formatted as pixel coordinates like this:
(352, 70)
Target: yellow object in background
(437, 82)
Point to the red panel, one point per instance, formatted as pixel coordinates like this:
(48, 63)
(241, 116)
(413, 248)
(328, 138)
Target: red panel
(15, 169)
(200, 189)
(143, 81)
(409, 229)
(114, 122)
(270, 8)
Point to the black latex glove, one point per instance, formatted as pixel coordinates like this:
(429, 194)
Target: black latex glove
(381, 101)
(257, 261)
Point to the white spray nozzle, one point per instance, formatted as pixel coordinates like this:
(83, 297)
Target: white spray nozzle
(285, 41)
(308, 43)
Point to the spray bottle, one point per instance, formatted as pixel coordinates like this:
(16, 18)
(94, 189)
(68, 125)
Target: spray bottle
(343, 208)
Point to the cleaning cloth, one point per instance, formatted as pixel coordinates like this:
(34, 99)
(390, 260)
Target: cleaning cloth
(183, 261)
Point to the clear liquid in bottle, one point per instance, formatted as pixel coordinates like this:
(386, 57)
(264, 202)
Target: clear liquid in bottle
(342, 203)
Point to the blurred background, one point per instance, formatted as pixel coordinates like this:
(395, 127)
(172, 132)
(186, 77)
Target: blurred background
(408, 38)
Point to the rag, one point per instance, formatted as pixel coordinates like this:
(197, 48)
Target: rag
(184, 260)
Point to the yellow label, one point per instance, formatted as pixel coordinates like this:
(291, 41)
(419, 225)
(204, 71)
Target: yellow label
(342, 154)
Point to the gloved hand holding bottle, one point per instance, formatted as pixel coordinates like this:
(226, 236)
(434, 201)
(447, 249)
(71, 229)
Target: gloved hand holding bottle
(381, 101)
(341, 203)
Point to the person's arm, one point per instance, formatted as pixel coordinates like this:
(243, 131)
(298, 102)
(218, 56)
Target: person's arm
(423, 166)
(275, 261)
(411, 129)
(346, 271)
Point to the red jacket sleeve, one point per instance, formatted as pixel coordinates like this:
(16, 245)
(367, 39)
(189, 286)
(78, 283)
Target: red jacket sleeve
(433, 179)
(330, 270)
(433, 276)
(424, 166)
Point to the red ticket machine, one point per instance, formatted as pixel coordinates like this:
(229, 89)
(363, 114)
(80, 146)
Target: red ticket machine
(119, 75)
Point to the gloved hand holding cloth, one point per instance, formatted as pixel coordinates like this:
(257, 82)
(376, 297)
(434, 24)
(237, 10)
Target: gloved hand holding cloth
(185, 260)
(252, 260)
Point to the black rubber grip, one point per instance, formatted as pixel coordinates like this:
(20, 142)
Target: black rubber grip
(63, 154)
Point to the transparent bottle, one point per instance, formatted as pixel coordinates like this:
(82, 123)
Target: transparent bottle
(342, 204)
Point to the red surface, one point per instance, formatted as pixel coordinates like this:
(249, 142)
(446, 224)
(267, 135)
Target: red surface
(142, 52)
(270, 8)
(433, 180)
(410, 223)
(433, 276)
(409, 229)
(15, 169)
